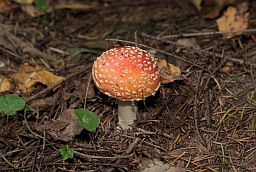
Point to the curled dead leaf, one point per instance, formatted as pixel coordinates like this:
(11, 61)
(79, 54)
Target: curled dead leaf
(168, 72)
(28, 76)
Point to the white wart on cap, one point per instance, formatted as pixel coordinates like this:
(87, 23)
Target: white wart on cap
(126, 73)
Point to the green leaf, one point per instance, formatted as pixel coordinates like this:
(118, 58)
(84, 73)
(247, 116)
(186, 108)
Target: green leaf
(87, 119)
(41, 4)
(10, 104)
(66, 152)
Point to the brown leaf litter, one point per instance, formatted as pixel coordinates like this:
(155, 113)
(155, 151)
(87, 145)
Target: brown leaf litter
(205, 122)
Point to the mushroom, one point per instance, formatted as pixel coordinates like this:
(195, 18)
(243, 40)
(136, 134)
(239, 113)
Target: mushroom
(129, 74)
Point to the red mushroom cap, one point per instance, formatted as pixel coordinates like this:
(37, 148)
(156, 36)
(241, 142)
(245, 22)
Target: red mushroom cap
(126, 73)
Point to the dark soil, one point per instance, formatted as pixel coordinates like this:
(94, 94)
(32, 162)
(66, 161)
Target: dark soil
(204, 122)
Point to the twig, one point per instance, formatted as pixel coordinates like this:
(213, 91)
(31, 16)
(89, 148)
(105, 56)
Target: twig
(252, 77)
(195, 110)
(87, 90)
(24, 168)
(84, 164)
(198, 51)
(143, 141)
(86, 156)
(6, 160)
(210, 33)
(207, 105)
(131, 146)
(35, 156)
(206, 93)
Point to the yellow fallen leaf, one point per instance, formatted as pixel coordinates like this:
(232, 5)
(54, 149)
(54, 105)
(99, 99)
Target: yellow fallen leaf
(234, 19)
(28, 76)
(168, 72)
(4, 84)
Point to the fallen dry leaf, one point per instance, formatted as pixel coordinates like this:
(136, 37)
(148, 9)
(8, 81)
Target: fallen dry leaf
(168, 72)
(234, 19)
(28, 76)
(63, 128)
(4, 84)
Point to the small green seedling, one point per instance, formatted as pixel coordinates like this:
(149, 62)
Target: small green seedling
(41, 4)
(10, 104)
(87, 120)
(66, 152)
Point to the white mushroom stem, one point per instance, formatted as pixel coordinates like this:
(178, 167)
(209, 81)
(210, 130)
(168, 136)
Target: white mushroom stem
(127, 111)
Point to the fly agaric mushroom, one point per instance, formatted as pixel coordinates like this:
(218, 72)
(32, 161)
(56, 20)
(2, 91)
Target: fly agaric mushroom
(128, 74)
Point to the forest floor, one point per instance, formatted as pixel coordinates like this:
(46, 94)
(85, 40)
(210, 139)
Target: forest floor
(205, 120)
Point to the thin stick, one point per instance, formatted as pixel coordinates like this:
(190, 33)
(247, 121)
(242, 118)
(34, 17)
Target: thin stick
(198, 51)
(86, 156)
(87, 89)
(210, 33)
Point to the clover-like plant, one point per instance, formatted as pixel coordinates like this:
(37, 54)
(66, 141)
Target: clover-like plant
(87, 120)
